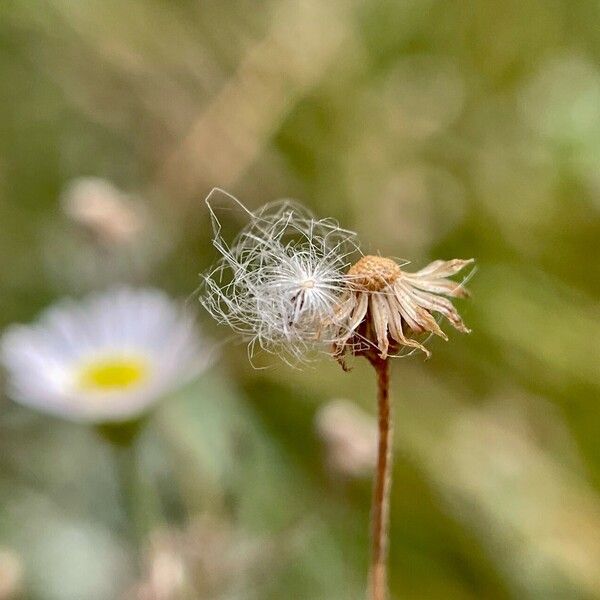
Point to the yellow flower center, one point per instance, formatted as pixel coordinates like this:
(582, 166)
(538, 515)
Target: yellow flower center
(374, 273)
(113, 374)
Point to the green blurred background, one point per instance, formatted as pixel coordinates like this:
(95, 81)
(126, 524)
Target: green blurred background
(436, 129)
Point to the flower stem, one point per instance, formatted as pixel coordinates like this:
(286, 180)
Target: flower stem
(126, 463)
(123, 440)
(378, 587)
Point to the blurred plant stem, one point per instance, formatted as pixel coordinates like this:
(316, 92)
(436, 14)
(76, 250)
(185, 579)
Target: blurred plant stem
(382, 484)
(123, 439)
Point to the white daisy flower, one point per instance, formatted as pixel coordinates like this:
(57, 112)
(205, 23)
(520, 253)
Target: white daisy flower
(278, 283)
(106, 358)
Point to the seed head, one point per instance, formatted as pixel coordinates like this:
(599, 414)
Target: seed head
(280, 281)
(287, 283)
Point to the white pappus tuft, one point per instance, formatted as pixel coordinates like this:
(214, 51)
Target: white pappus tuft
(278, 283)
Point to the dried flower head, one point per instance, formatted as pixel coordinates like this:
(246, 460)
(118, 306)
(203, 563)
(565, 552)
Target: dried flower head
(384, 306)
(350, 438)
(102, 210)
(288, 285)
(280, 281)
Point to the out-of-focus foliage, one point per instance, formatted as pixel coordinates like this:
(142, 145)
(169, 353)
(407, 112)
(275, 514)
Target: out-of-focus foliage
(434, 128)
